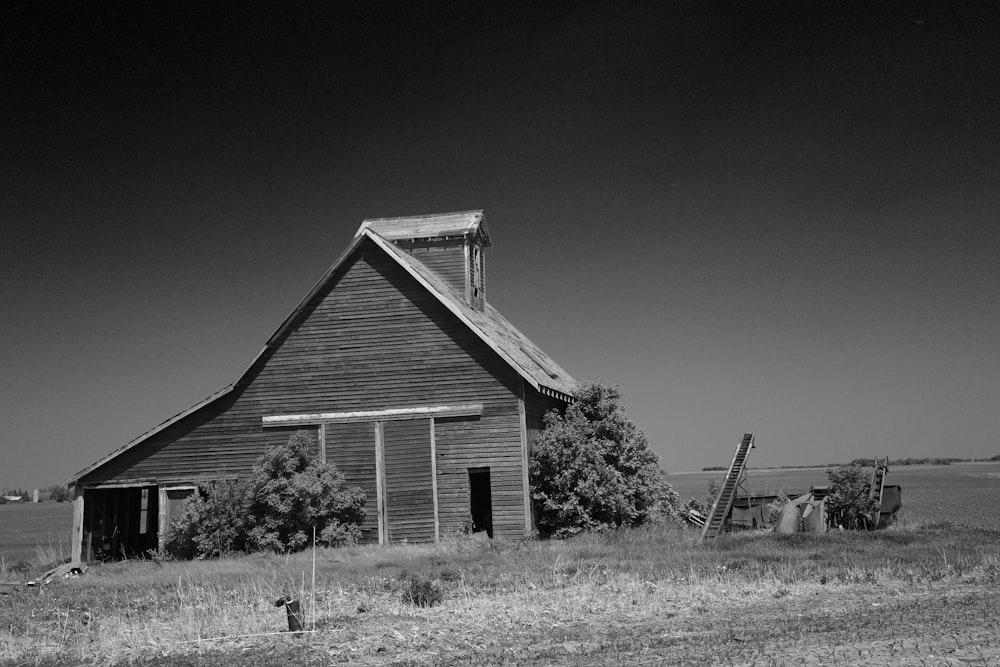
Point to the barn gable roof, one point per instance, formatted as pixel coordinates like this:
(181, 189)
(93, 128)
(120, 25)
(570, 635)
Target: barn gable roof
(523, 356)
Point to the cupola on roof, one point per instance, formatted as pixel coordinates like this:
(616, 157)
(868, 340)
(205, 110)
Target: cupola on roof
(435, 226)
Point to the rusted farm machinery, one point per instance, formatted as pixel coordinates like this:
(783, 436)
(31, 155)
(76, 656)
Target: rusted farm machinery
(883, 500)
(734, 507)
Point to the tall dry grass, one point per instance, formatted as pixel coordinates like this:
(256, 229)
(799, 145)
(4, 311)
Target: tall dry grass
(521, 602)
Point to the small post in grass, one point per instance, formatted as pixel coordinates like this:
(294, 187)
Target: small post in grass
(294, 613)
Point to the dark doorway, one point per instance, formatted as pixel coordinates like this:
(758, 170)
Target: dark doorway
(481, 500)
(119, 523)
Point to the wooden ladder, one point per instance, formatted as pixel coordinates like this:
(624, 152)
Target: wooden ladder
(735, 478)
(878, 485)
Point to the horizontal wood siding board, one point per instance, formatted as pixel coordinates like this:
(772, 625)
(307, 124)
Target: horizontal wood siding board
(373, 340)
(423, 412)
(448, 262)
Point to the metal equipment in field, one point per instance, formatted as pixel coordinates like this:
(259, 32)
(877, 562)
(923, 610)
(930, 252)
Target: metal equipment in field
(735, 481)
(735, 508)
(889, 497)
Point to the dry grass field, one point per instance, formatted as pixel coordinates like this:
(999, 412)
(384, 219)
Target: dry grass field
(908, 596)
(922, 593)
(26, 528)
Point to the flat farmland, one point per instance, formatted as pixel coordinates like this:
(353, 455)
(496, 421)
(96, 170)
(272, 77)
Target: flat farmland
(962, 493)
(26, 527)
(921, 594)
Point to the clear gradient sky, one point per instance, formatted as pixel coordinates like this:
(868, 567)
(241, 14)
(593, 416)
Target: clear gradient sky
(782, 219)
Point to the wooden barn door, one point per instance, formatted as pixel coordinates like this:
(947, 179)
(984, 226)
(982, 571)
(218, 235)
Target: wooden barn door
(408, 473)
(351, 447)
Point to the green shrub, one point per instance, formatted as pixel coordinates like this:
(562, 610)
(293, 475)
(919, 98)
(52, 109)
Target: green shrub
(593, 469)
(292, 492)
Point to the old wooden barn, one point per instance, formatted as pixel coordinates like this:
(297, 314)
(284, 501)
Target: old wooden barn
(418, 389)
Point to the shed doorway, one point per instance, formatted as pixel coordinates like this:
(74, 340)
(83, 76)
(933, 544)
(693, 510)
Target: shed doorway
(481, 500)
(119, 522)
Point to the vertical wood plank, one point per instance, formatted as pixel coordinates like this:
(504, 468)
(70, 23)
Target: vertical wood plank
(434, 485)
(380, 484)
(468, 278)
(77, 542)
(322, 442)
(161, 520)
(523, 418)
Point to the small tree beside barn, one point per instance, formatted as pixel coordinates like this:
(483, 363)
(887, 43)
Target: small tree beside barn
(593, 469)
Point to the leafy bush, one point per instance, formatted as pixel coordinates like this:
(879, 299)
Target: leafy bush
(848, 504)
(592, 469)
(212, 523)
(290, 492)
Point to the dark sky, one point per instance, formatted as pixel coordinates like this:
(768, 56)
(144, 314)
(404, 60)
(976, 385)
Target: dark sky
(780, 218)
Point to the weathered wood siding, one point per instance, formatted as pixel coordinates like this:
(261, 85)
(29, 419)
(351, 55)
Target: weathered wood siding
(536, 405)
(375, 339)
(351, 447)
(494, 441)
(447, 261)
(409, 502)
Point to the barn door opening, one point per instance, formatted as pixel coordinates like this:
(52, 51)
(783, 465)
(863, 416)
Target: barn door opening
(481, 500)
(119, 522)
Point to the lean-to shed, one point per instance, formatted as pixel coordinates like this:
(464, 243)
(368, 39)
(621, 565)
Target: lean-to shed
(414, 385)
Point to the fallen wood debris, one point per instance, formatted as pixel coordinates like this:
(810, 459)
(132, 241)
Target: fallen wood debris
(64, 571)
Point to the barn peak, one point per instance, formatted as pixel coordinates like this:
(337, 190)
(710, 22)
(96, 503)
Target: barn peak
(450, 244)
